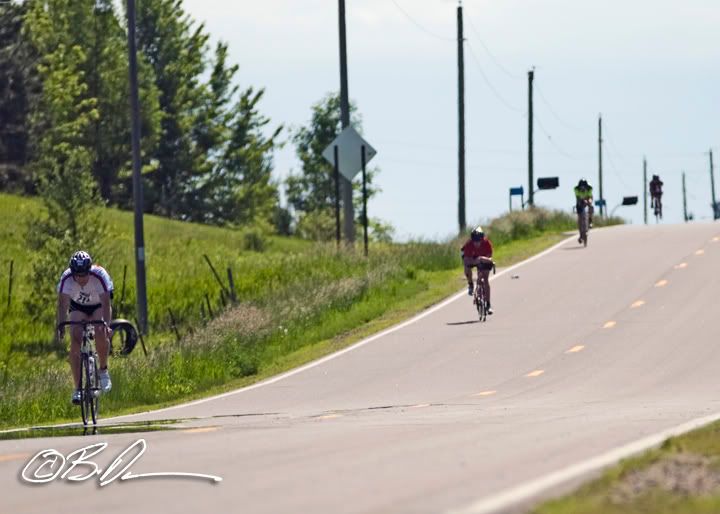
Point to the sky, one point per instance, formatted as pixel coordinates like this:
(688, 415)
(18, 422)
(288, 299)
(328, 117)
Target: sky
(650, 67)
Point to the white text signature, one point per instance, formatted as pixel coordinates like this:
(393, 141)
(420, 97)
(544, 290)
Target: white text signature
(48, 465)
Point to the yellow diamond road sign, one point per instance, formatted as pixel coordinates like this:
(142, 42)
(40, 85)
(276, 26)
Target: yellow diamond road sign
(349, 144)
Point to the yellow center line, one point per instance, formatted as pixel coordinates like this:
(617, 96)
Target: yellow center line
(485, 393)
(576, 349)
(14, 456)
(610, 324)
(330, 416)
(662, 283)
(200, 430)
(700, 252)
(716, 239)
(535, 373)
(681, 265)
(637, 304)
(420, 406)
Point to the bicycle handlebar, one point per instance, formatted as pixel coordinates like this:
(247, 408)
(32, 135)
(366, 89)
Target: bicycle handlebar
(83, 323)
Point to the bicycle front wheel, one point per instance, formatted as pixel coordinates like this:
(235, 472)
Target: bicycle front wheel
(89, 387)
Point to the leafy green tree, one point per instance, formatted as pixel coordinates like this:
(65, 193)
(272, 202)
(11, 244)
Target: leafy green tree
(311, 193)
(62, 165)
(240, 189)
(93, 31)
(106, 69)
(19, 86)
(175, 48)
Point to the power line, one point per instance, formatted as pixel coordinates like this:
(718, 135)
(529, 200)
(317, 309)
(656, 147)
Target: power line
(490, 54)
(552, 141)
(617, 173)
(489, 84)
(418, 25)
(555, 115)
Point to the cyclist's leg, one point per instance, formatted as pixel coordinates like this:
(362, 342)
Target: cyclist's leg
(469, 262)
(102, 345)
(483, 277)
(76, 333)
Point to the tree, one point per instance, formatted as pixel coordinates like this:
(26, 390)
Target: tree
(19, 87)
(311, 193)
(175, 49)
(239, 190)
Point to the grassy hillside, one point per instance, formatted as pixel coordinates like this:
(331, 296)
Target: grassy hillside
(297, 300)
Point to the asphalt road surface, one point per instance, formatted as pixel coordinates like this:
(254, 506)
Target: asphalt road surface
(589, 349)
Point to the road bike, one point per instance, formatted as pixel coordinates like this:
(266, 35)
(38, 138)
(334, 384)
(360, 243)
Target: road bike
(656, 204)
(89, 382)
(479, 298)
(583, 213)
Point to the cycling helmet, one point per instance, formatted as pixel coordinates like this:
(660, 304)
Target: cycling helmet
(80, 262)
(477, 234)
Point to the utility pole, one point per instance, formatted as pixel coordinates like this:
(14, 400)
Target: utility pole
(531, 196)
(346, 185)
(600, 169)
(645, 189)
(461, 119)
(685, 214)
(141, 292)
(716, 214)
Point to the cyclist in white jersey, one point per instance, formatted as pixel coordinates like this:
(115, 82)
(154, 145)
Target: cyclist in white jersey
(85, 292)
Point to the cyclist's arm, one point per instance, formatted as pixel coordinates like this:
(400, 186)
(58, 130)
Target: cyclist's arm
(62, 308)
(106, 307)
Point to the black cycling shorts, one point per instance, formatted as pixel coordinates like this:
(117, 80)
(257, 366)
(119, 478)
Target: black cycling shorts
(485, 266)
(86, 309)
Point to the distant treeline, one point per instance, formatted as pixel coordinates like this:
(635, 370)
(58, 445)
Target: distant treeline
(207, 150)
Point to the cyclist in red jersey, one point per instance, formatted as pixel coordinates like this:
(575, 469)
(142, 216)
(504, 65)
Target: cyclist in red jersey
(477, 253)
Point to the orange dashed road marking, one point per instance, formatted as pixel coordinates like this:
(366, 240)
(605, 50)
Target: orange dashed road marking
(662, 283)
(485, 393)
(700, 252)
(420, 406)
(14, 456)
(535, 373)
(610, 324)
(200, 430)
(681, 265)
(637, 304)
(330, 416)
(576, 349)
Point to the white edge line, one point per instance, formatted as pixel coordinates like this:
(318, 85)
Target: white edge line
(352, 347)
(526, 491)
(332, 356)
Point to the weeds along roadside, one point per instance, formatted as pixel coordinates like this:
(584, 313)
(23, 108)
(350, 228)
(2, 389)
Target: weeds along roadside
(289, 299)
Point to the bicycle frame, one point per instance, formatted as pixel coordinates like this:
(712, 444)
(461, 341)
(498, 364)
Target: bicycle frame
(479, 299)
(89, 364)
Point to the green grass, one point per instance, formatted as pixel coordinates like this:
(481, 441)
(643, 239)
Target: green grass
(297, 301)
(597, 496)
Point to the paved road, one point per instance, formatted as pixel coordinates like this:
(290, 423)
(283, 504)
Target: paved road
(589, 349)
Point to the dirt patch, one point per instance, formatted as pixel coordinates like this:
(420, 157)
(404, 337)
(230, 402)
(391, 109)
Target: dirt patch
(683, 474)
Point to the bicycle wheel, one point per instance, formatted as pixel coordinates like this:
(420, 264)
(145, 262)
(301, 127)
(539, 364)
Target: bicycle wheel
(94, 388)
(480, 302)
(84, 388)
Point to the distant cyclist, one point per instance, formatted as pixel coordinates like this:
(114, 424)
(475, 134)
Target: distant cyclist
(85, 292)
(656, 193)
(477, 253)
(584, 198)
